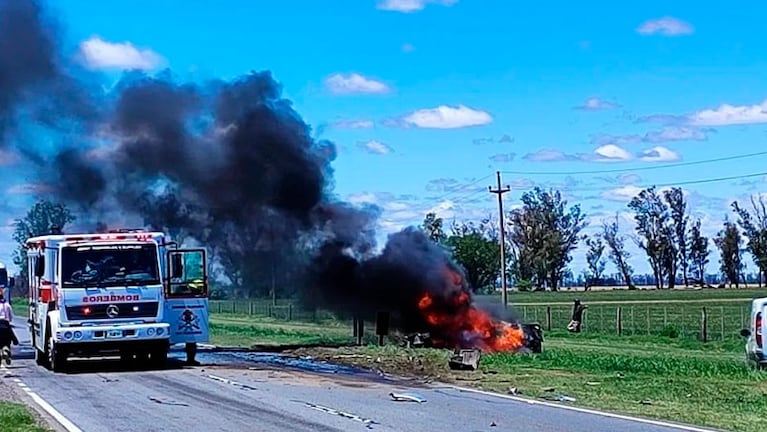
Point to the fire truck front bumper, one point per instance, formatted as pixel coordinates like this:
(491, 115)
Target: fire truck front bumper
(113, 333)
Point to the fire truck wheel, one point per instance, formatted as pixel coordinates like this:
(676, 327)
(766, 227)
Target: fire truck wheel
(57, 358)
(40, 358)
(159, 358)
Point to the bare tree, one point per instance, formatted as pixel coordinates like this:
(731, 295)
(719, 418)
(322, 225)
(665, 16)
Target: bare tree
(679, 218)
(729, 243)
(655, 234)
(616, 245)
(595, 260)
(698, 252)
(754, 226)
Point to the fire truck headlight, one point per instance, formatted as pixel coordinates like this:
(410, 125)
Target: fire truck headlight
(159, 331)
(78, 335)
(68, 335)
(150, 331)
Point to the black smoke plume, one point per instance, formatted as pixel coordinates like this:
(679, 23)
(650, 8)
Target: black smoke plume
(226, 164)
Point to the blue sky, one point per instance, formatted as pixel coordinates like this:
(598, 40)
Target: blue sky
(426, 99)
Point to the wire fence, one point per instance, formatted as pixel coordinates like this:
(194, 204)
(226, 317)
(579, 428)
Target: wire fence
(706, 322)
(702, 322)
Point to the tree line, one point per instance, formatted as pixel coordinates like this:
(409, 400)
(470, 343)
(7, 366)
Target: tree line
(543, 232)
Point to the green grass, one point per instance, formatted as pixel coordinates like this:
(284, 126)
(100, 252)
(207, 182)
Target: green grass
(624, 295)
(15, 417)
(239, 331)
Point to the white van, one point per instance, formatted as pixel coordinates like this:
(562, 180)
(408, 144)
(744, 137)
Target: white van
(755, 352)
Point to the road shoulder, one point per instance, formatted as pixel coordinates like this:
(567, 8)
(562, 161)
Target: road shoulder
(12, 390)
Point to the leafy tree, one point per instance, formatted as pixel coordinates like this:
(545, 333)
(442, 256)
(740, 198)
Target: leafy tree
(698, 252)
(729, 243)
(41, 219)
(616, 245)
(679, 219)
(655, 234)
(476, 249)
(543, 233)
(595, 259)
(432, 225)
(754, 226)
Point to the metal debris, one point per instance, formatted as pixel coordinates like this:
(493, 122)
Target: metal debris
(565, 398)
(164, 401)
(406, 397)
(513, 391)
(465, 359)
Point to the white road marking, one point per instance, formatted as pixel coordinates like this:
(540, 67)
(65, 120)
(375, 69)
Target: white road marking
(42, 403)
(367, 422)
(230, 382)
(584, 410)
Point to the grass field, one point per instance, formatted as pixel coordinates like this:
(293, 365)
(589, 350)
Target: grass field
(660, 377)
(15, 417)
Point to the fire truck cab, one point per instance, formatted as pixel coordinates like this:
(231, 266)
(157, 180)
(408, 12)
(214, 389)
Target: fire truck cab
(126, 292)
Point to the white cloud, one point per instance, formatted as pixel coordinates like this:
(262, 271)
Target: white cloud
(659, 154)
(447, 117)
(100, 54)
(597, 104)
(409, 6)
(727, 114)
(376, 147)
(623, 193)
(362, 198)
(353, 124)
(612, 153)
(408, 47)
(548, 155)
(355, 84)
(675, 134)
(666, 26)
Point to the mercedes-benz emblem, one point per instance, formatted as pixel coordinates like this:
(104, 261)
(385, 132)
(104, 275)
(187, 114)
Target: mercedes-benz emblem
(113, 311)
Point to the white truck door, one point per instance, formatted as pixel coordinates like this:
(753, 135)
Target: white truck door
(186, 296)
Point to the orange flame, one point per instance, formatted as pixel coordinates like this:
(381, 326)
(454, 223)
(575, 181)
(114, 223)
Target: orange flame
(465, 322)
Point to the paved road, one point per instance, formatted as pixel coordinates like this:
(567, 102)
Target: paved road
(240, 393)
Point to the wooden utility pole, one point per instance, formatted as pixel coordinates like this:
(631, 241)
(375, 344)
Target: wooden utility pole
(499, 191)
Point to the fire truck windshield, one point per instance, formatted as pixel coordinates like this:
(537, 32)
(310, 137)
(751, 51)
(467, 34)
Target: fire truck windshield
(109, 265)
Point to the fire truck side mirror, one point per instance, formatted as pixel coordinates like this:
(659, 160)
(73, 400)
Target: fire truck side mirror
(177, 266)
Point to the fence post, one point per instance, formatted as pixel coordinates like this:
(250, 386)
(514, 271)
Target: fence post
(269, 310)
(290, 311)
(703, 325)
(618, 321)
(251, 307)
(722, 323)
(548, 318)
(234, 306)
(648, 320)
(665, 316)
(218, 304)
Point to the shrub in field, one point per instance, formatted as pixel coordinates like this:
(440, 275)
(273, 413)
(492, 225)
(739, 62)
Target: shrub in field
(669, 331)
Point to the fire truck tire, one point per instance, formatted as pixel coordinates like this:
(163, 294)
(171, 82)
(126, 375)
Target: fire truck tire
(40, 357)
(56, 357)
(159, 358)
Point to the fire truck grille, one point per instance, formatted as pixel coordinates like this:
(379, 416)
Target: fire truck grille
(124, 310)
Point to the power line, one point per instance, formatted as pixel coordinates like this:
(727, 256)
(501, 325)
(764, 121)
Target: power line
(461, 189)
(661, 185)
(647, 168)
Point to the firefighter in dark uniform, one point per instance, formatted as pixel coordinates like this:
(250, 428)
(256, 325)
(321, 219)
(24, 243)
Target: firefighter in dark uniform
(194, 287)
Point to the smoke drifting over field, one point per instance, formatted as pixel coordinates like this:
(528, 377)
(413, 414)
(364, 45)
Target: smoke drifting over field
(228, 164)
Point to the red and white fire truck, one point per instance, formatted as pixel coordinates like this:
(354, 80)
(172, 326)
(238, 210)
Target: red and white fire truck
(126, 292)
